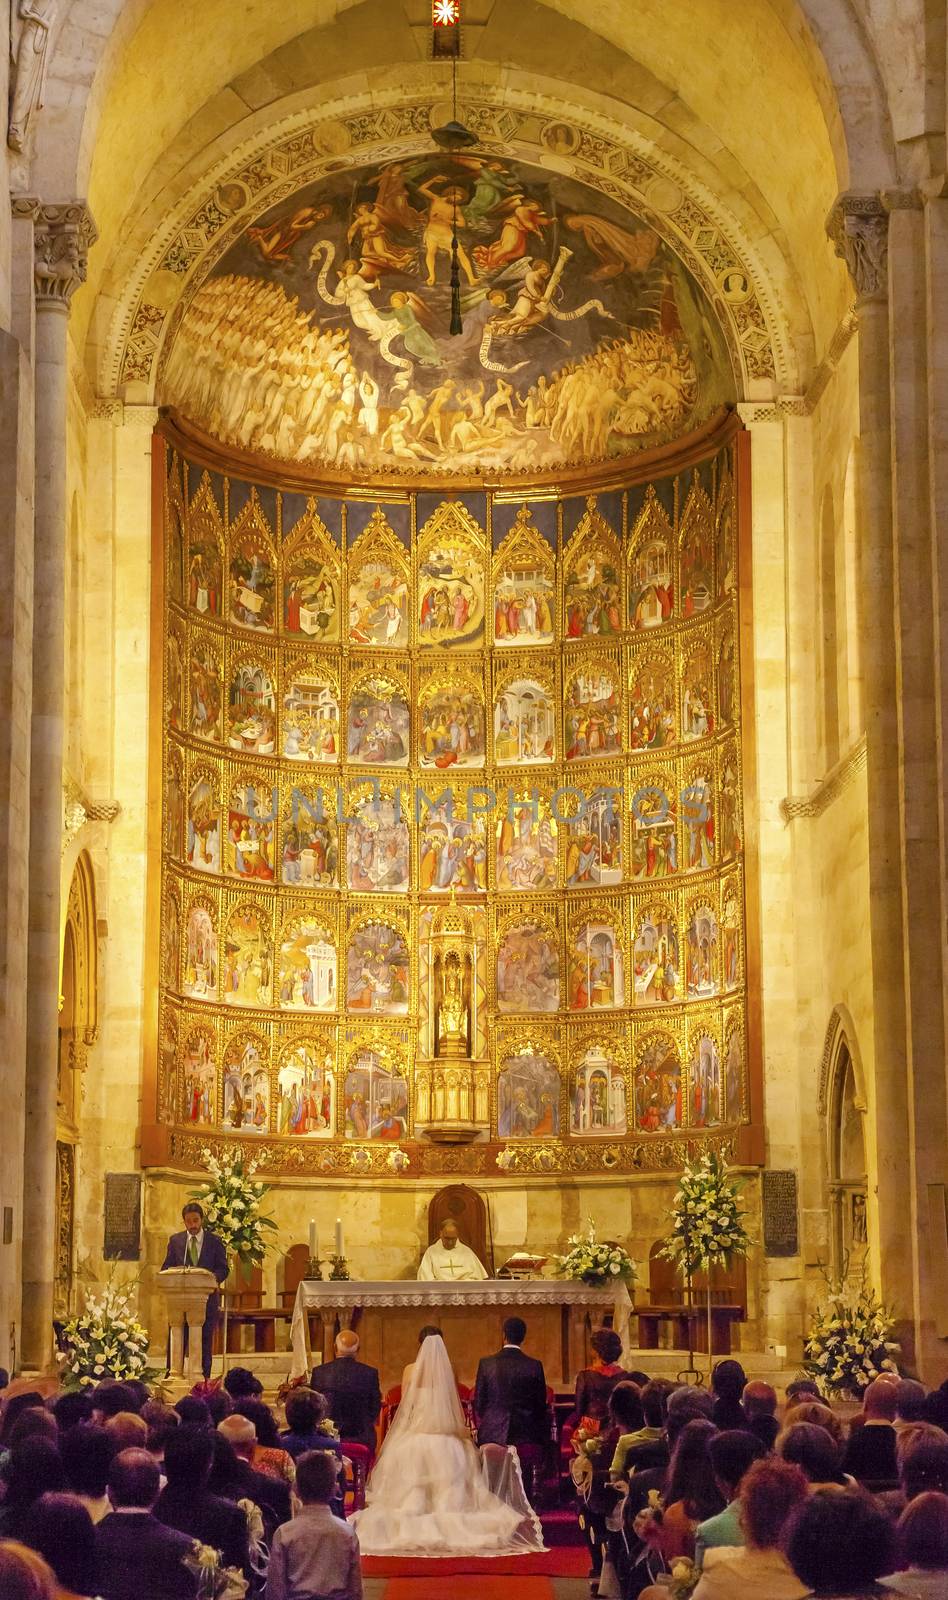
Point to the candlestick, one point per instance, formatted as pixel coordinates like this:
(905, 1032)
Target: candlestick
(313, 1251)
(339, 1249)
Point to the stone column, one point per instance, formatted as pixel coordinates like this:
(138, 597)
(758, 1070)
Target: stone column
(62, 236)
(858, 226)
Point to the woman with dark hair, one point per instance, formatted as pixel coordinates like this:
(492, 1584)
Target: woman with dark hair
(60, 1528)
(770, 1493)
(690, 1495)
(595, 1383)
(596, 1490)
(922, 1535)
(839, 1543)
(34, 1469)
(727, 1385)
(269, 1456)
(306, 1411)
(808, 1445)
(12, 1409)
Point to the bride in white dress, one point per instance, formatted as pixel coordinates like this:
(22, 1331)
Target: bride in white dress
(431, 1491)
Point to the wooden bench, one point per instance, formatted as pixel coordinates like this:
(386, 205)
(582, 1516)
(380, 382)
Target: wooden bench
(651, 1318)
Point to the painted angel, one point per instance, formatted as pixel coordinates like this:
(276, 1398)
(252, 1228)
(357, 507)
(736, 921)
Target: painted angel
(522, 217)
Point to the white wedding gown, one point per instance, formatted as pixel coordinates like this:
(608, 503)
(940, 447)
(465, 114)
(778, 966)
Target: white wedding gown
(431, 1491)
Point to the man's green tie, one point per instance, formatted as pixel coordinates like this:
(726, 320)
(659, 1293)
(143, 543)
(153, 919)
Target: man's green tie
(192, 1251)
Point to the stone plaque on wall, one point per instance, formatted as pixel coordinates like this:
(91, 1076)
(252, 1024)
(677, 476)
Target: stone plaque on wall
(781, 1233)
(123, 1216)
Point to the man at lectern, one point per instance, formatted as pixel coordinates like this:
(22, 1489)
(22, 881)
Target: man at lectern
(198, 1247)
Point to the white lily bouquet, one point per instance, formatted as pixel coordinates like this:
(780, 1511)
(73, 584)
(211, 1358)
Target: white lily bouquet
(104, 1340)
(849, 1343)
(707, 1222)
(231, 1203)
(595, 1261)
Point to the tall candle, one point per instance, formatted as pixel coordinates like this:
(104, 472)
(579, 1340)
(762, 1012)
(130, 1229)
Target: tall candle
(312, 1239)
(339, 1236)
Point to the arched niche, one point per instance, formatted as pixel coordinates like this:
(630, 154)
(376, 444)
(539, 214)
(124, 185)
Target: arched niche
(843, 1107)
(462, 1205)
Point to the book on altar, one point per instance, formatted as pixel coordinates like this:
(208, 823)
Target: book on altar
(523, 1265)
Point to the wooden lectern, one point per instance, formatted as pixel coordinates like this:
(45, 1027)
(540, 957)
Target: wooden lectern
(186, 1290)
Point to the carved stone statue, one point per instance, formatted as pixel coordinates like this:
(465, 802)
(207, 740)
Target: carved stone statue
(28, 78)
(452, 1011)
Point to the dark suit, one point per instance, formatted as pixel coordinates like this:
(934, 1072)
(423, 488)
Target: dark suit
(140, 1559)
(213, 1258)
(870, 1454)
(208, 1517)
(241, 1482)
(355, 1399)
(510, 1399)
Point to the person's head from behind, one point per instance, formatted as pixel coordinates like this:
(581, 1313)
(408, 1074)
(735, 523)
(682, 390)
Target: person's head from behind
(134, 1481)
(912, 1436)
(925, 1469)
(449, 1234)
(686, 1405)
(24, 1575)
(27, 1401)
(801, 1389)
(189, 1455)
(839, 1541)
(263, 1420)
(879, 1401)
(34, 1468)
(429, 1331)
(731, 1453)
(219, 1405)
(655, 1403)
(811, 1448)
(127, 1431)
(911, 1401)
(240, 1433)
(241, 1384)
(305, 1410)
(759, 1399)
(771, 1491)
(515, 1331)
(72, 1408)
(316, 1475)
(625, 1407)
(109, 1398)
(690, 1478)
(86, 1453)
(192, 1215)
(819, 1415)
(34, 1423)
(193, 1411)
(60, 1528)
(922, 1533)
(347, 1343)
(728, 1380)
(607, 1345)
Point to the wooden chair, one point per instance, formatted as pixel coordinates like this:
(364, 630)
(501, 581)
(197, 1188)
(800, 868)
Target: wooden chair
(460, 1204)
(295, 1265)
(356, 1459)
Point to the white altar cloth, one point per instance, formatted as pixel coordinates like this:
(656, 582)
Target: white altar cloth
(520, 1293)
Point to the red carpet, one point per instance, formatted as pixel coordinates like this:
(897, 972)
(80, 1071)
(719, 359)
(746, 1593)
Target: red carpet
(487, 1589)
(567, 1562)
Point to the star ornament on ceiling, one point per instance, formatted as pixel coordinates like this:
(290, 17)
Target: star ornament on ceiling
(446, 13)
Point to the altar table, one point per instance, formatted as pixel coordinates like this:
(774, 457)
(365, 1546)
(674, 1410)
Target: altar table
(559, 1315)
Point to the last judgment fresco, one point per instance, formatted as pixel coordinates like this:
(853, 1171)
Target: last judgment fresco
(322, 335)
(452, 837)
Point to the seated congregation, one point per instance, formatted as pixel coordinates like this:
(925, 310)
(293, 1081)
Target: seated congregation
(729, 1493)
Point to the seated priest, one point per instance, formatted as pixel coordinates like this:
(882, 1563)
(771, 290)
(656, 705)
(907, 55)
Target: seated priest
(448, 1258)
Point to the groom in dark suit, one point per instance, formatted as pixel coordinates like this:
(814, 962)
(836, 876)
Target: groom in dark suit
(197, 1247)
(510, 1393)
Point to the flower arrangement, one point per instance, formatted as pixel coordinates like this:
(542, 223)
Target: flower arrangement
(104, 1340)
(594, 1261)
(231, 1204)
(707, 1223)
(214, 1582)
(849, 1342)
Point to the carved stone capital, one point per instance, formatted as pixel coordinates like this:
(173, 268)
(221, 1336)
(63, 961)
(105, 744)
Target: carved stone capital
(63, 235)
(858, 228)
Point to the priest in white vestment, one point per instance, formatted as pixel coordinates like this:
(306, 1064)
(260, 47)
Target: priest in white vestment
(448, 1259)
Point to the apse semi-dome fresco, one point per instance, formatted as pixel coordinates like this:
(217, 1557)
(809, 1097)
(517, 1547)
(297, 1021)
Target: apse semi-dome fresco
(322, 336)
